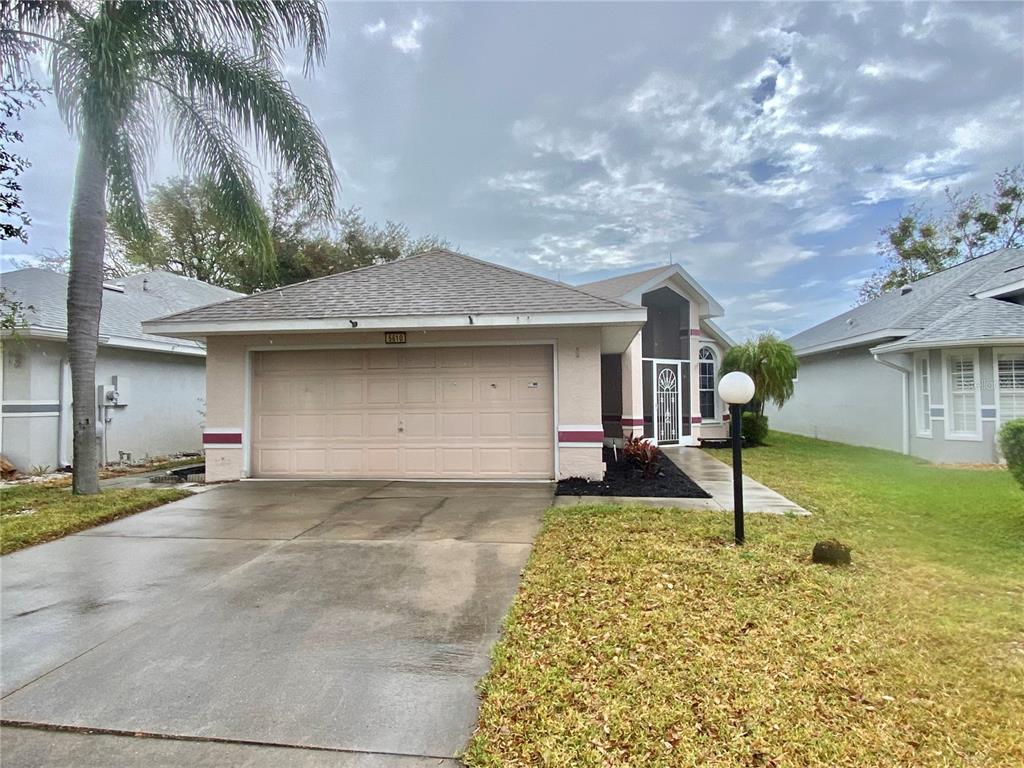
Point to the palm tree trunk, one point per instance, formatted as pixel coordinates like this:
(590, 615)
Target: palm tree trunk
(85, 299)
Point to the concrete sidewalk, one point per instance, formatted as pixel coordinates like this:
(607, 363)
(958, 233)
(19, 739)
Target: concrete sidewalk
(713, 476)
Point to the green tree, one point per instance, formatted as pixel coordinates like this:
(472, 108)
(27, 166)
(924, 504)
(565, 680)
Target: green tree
(771, 363)
(15, 97)
(209, 70)
(919, 243)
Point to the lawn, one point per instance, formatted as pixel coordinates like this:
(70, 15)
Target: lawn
(643, 637)
(35, 512)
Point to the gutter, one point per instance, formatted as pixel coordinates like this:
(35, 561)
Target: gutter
(905, 399)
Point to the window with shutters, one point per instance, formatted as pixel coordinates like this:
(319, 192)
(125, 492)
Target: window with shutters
(963, 417)
(1010, 384)
(923, 394)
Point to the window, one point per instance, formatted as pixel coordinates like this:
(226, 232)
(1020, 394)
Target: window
(706, 383)
(923, 394)
(1010, 383)
(963, 420)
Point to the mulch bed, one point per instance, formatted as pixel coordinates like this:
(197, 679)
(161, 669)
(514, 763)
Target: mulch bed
(625, 478)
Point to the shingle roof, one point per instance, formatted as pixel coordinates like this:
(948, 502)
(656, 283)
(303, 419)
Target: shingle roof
(928, 300)
(616, 287)
(436, 282)
(145, 297)
(977, 320)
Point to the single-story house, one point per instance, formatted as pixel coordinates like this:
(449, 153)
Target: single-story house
(931, 369)
(435, 366)
(151, 388)
(679, 353)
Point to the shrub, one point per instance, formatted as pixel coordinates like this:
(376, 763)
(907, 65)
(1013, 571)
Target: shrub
(1011, 443)
(755, 428)
(644, 453)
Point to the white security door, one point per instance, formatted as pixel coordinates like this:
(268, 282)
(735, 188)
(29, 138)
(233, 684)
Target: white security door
(407, 412)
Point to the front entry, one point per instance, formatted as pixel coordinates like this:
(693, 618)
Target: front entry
(666, 397)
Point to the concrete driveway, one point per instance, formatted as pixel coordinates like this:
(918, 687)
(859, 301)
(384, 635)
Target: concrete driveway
(262, 623)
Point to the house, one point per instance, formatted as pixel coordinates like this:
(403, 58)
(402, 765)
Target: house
(679, 353)
(152, 388)
(435, 366)
(931, 369)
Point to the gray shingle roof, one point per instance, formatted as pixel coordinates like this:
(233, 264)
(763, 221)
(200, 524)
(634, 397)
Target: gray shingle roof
(436, 282)
(123, 313)
(978, 320)
(615, 287)
(930, 299)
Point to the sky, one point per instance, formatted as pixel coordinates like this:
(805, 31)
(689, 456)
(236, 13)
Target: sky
(761, 146)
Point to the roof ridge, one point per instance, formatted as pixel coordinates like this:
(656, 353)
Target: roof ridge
(660, 268)
(538, 278)
(974, 262)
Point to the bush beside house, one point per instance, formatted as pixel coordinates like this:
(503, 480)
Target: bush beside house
(1011, 443)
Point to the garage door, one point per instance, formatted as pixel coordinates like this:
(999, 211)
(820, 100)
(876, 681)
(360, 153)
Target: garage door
(458, 412)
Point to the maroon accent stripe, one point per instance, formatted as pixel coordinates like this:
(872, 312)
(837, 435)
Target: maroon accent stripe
(611, 416)
(222, 438)
(632, 422)
(725, 417)
(695, 419)
(595, 436)
(695, 331)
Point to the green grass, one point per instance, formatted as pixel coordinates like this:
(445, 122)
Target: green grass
(36, 512)
(643, 637)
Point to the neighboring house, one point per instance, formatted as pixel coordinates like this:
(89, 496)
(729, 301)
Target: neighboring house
(932, 369)
(679, 353)
(152, 388)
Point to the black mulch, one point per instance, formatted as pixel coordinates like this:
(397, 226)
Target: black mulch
(625, 478)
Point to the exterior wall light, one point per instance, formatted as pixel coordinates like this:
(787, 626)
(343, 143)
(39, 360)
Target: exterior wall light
(737, 389)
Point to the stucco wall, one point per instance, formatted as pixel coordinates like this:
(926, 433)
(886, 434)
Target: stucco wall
(577, 378)
(845, 396)
(163, 414)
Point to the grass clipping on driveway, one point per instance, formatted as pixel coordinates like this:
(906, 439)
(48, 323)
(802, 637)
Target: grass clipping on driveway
(36, 512)
(644, 638)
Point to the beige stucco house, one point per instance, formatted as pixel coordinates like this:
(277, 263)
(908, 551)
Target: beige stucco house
(434, 366)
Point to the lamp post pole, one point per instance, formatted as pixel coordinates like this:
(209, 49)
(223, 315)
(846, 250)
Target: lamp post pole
(736, 412)
(737, 389)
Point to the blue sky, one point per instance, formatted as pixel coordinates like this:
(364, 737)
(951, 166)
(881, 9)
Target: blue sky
(762, 146)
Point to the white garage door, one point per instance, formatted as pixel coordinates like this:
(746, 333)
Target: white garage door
(454, 412)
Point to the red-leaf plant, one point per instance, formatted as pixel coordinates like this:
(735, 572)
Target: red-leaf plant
(644, 453)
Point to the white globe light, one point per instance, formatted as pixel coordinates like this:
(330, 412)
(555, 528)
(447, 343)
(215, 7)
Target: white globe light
(736, 388)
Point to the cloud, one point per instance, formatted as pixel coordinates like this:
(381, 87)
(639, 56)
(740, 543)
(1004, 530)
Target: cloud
(376, 29)
(773, 306)
(408, 40)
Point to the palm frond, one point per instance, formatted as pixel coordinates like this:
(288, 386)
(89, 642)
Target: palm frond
(256, 100)
(207, 148)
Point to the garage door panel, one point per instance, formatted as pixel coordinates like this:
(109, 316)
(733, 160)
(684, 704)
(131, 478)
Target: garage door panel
(459, 412)
(347, 426)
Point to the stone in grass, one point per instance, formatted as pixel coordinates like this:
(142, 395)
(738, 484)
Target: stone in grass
(831, 552)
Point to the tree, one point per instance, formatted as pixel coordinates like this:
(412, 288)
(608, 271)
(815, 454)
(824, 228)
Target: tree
(209, 70)
(919, 244)
(15, 97)
(771, 363)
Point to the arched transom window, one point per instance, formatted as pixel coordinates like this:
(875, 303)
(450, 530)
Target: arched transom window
(706, 383)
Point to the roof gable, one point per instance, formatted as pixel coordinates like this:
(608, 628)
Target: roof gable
(632, 285)
(432, 283)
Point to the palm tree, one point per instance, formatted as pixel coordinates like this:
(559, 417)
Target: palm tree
(208, 71)
(771, 363)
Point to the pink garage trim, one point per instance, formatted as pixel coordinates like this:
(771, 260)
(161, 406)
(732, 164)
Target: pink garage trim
(632, 422)
(222, 438)
(580, 436)
(695, 331)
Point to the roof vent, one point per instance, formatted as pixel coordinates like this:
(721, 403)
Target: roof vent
(905, 289)
(849, 322)
(116, 287)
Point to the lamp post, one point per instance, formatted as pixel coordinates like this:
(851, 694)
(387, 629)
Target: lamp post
(737, 389)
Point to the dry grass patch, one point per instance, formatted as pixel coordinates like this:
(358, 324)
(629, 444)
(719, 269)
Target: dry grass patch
(32, 513)
(643, 638)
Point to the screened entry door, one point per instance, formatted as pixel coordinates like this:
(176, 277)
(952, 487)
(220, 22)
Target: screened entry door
(667, 401)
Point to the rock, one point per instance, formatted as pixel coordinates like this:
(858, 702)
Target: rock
(831, 552)
(7, 470)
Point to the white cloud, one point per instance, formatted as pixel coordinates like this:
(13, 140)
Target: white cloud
(408, 40)
(773, 306)
(376, 29)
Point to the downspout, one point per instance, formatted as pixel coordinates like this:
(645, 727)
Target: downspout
(62, 389)
(905, 404)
